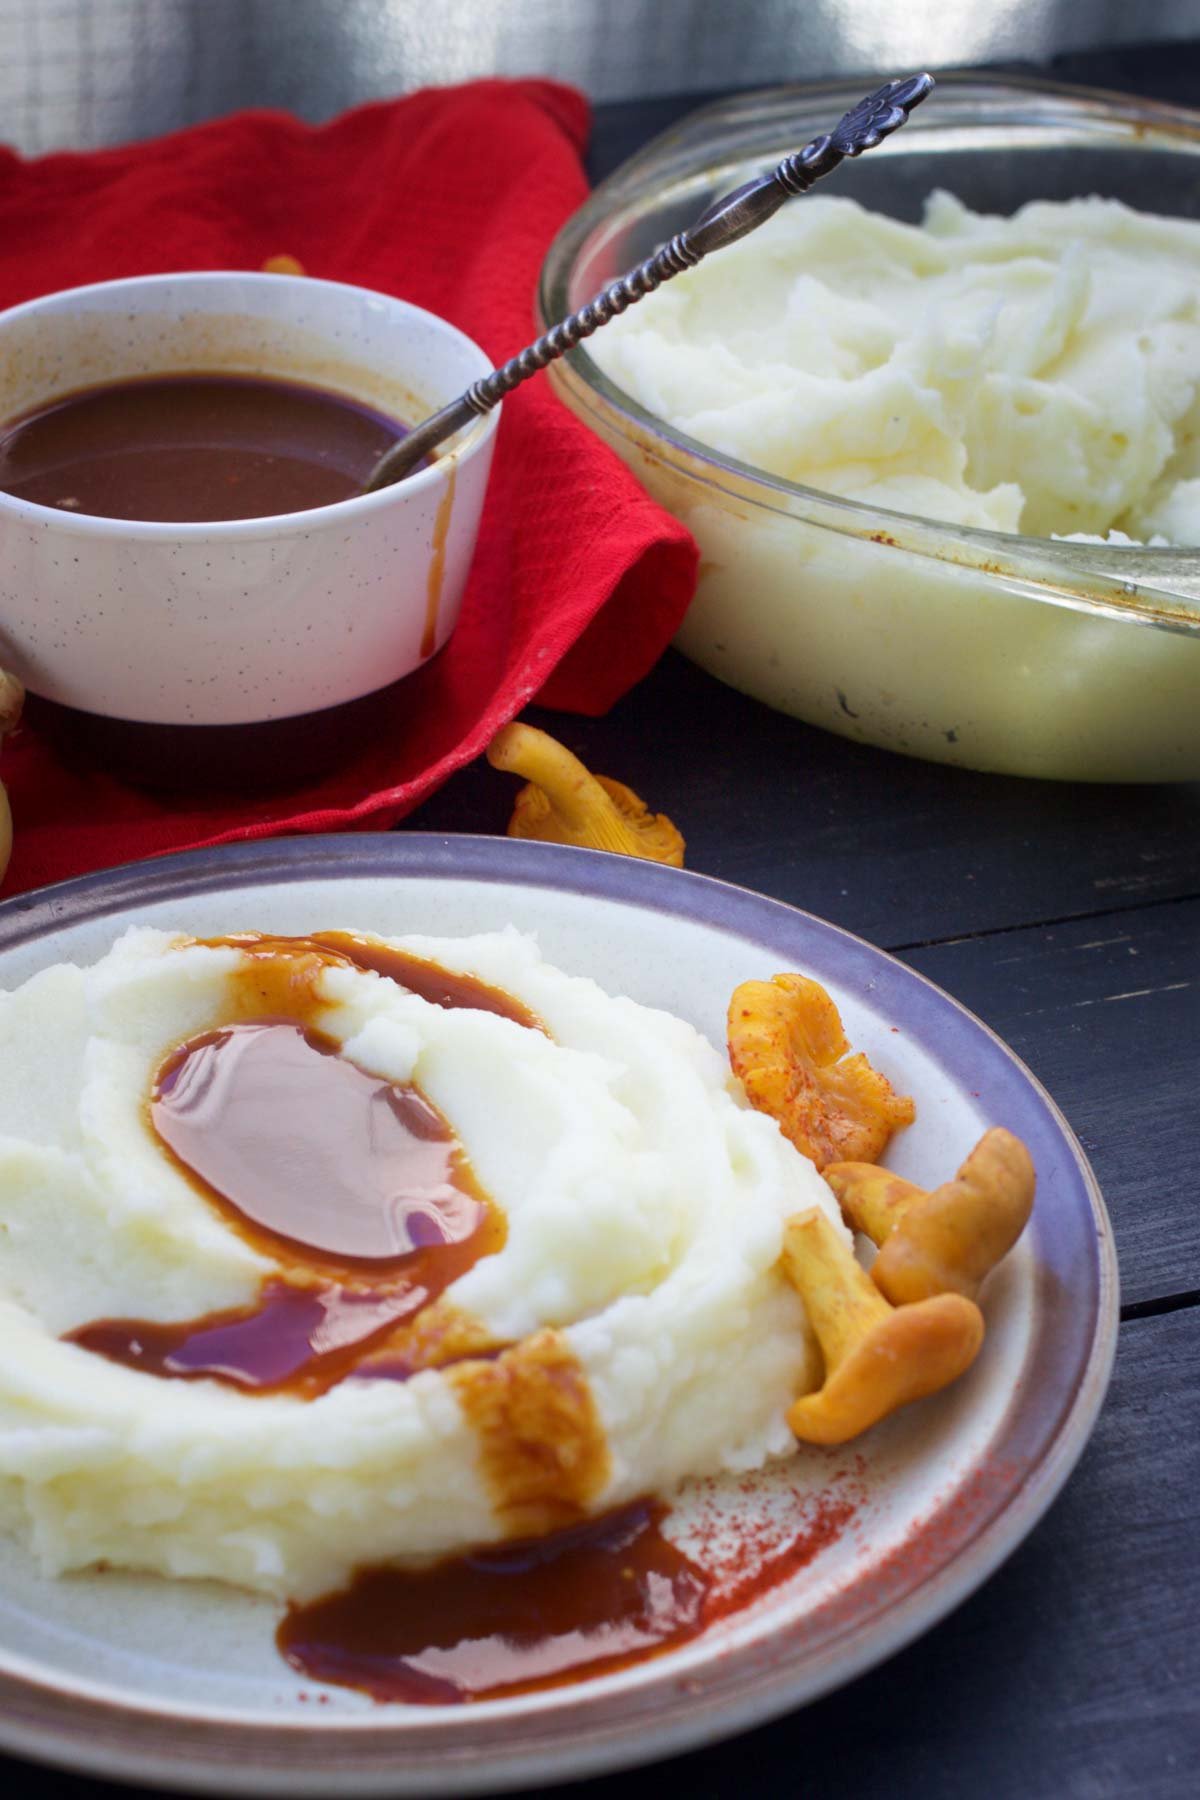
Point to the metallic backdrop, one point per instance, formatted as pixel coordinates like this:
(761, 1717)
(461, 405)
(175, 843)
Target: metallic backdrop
(85, 72)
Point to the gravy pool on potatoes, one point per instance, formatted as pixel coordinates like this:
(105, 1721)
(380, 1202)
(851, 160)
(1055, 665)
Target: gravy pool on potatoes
(359, 1184)
(194, 448)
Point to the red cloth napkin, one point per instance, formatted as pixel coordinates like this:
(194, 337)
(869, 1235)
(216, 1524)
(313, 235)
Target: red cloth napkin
(448, 198)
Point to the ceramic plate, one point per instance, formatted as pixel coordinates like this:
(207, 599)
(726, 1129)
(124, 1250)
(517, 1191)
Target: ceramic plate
(834, 1559)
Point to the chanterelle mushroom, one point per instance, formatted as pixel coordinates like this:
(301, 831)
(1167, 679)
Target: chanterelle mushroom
(877, 1357)
(787, 1046)
(12, 699)
(947, 1240)
(564, 803)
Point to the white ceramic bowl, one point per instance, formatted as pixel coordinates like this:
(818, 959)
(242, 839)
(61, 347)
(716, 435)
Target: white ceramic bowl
(252, 620)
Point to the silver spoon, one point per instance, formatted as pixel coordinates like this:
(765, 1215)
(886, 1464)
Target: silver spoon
(726, 220)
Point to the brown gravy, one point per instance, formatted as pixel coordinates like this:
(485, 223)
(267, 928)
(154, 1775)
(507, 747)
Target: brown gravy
(356, 1185)
(194, 448)
(527, 1614)
(543, 1451)
(310, 1148)
(298, 960)
(300, 1340)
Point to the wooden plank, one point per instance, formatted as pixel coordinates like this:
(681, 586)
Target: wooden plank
(900, 851)
(1107, 1015)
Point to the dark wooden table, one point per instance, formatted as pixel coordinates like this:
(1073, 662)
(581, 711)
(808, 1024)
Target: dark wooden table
(1068, 918)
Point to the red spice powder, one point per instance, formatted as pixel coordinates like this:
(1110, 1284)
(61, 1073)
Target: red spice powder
(761, 1561)
(747, 1554)
(951, 1524)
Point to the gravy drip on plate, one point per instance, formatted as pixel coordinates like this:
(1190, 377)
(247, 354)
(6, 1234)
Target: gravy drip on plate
(294, 1339)
(357, 1186)
(528, 1614)
(192, 448)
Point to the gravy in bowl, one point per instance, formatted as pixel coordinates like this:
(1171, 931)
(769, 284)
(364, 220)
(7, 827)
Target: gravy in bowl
(194, 448)
(245, 622)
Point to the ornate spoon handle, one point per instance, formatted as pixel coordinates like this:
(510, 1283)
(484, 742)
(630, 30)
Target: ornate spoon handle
(726, 220)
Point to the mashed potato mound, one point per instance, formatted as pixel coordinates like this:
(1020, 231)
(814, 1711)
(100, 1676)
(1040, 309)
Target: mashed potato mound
(1037, 373)
(644, 1204)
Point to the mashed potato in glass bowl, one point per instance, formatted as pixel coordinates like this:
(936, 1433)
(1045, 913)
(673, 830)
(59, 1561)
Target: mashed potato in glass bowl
(1036, 374)
(938, 454)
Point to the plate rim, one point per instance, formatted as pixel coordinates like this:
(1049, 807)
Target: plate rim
(222, 1756)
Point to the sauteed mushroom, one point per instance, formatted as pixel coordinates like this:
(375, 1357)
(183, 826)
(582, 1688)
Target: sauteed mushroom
(877, 1357)
(564, 803)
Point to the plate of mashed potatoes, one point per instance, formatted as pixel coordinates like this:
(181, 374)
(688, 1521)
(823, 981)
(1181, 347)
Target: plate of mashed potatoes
(426, 1364)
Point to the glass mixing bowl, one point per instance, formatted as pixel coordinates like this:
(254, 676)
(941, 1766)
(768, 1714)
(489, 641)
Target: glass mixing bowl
(988, 649)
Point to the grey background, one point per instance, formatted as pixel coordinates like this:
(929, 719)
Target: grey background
(79, 73)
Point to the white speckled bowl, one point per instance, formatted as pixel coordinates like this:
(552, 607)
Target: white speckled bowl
(253, 620)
